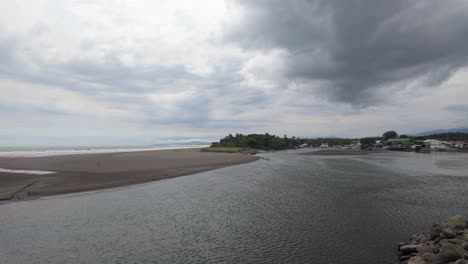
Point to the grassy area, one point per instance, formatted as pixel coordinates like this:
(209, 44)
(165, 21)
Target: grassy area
(224, 149)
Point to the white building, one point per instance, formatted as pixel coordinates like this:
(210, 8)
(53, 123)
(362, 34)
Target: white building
(436, 144)
(460, 144)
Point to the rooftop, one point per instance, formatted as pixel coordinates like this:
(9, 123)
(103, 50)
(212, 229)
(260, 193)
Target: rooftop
(398, 140)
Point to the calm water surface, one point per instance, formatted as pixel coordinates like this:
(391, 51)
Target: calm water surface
(284, 208)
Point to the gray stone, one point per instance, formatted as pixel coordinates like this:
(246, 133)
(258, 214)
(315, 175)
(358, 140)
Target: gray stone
(416, 260)
(455, 241)
(408, 249)
(448, 253)
(435, 231)
(461, 252)
(428, 256)
(449, 233)
(465, 245)
(465, 237)
(423, 249)
(456, 222)
(461, 261)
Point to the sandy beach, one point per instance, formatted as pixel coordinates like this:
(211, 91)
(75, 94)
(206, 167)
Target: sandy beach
(86, 172)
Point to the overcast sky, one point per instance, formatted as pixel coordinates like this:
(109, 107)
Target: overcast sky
(134, 72)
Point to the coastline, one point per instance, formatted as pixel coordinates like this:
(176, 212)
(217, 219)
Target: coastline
(89, 172)
(344, 152)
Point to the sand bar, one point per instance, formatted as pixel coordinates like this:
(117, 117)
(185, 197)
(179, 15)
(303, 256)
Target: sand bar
(344, 152)
(86, 172)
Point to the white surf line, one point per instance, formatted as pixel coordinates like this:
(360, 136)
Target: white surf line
(49, 153)
(36, 172)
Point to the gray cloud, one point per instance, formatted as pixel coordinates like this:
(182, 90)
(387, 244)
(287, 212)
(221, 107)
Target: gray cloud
(458, 108)
(357, 47)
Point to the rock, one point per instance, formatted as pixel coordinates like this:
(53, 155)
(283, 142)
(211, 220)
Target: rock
(448, 253)
(424, 240)
(423, 249)
(428, 256)
(416, 260)
(449, 233)
(455, 241)
(465, 237)
(435, 231)
(456, 222)
(461, 261)
(461, 251)
(408, 249)
(465, 245)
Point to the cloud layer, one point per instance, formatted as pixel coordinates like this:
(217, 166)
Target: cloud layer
(150, 69)
(350, 50)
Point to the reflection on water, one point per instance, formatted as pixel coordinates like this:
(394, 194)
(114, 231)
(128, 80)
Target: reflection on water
(285, 208)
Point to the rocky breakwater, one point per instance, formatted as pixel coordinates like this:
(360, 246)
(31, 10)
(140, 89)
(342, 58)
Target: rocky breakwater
(440, 245)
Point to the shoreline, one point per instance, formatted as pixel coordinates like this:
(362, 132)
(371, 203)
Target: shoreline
(91, 172)
(344, 152)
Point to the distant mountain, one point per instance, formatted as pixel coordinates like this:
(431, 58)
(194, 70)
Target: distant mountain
(440, 131)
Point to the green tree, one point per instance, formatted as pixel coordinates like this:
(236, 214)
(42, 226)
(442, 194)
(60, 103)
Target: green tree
(390, 134)
(367, 141)
(403, 136)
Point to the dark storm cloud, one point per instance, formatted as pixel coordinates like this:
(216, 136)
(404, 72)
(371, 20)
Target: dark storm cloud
(357, 47)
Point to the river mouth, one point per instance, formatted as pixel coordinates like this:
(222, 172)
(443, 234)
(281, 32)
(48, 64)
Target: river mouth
(283, 208)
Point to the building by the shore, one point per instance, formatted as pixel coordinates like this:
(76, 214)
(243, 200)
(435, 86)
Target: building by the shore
(399, 143)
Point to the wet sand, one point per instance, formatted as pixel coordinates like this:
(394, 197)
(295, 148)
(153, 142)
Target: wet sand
(86, 172)
(345, 152)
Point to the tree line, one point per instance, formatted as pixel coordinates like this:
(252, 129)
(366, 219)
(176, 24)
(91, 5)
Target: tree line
(267, 141)
(273, 142)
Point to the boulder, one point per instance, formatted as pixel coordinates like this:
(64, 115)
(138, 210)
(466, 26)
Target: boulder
(461, 261)
(449, 233)
(448, 253)
(408, 249)
(456, 222)
(455, 241)
(435, 231)
(428, 257)
(461, 251)
(423, 249)
(416, 260)
(465, 237)
(465, 245)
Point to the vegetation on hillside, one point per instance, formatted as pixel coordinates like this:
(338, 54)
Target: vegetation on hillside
(257, 141)
(273, 142)
(446, 137)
